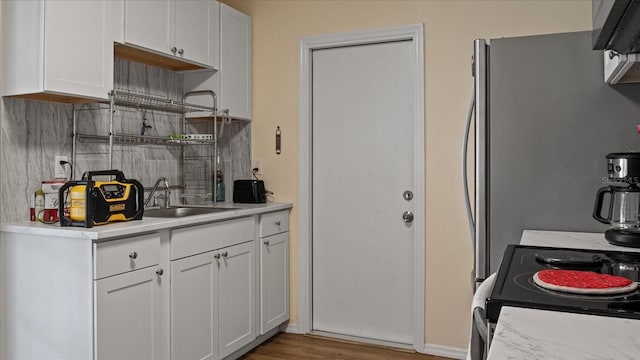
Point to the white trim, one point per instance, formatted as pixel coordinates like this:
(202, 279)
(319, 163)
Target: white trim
(357, 339)
(445, 351)
(306, 46)
(290, 328)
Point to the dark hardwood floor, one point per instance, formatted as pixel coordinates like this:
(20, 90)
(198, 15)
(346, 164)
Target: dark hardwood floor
(291, 346)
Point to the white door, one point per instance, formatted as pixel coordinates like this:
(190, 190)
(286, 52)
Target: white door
(363, 161)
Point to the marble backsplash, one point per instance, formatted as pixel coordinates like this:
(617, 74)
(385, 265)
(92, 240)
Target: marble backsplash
(34, 132)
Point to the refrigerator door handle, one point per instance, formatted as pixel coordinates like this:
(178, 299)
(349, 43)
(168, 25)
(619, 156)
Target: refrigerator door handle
(481, 87)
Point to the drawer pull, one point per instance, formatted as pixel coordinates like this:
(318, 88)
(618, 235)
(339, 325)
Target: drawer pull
(181, 52)
(216, 256)
(266, 242)
(133, 255)
(225, 254)
(160, 272)
(278, 223)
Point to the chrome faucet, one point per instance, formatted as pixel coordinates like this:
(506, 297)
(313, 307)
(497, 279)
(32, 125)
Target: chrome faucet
(166, 196)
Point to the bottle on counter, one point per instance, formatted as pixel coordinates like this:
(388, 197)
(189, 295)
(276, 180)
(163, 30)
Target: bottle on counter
(219, 179)
(39, 205)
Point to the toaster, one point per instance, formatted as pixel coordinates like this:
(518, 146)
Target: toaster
(249, 191)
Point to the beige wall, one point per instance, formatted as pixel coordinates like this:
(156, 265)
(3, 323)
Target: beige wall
(450, 28)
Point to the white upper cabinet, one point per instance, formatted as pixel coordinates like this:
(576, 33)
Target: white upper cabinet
(197, 31)
(235, 62)
(232, 83)
(150, 24)
(58, 50)
(185, 30)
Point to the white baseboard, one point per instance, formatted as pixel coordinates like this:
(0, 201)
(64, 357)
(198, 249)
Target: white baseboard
(445, 351)
(429, 349)
(290, 328)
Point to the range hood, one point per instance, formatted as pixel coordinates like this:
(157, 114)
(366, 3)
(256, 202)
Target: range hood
(616, 25)
(621, 68)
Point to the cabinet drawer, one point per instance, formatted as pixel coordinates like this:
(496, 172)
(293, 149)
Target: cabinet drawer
(119, 256)
(274, 223)
(202, 238)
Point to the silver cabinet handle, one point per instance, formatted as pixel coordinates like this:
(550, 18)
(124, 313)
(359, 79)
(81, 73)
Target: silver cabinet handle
(174, 49)
(133, 255)
(181, 51)
(407, 216)
(216, 256)
(407, 195)
(266, 242)
(224, 254)
(160, 272)
(278, 223)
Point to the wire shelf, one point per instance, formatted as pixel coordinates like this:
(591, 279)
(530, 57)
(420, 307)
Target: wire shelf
(143, 140)
(137, 100)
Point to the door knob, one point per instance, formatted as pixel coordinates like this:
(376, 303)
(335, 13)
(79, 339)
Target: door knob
(407, 216)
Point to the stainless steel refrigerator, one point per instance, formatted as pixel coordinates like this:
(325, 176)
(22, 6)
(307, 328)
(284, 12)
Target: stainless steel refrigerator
(544, 121)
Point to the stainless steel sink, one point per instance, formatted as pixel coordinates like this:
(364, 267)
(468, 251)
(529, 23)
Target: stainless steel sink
(182, 211)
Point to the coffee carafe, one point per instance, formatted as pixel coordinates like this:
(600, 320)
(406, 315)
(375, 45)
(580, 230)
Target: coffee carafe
(623, 213)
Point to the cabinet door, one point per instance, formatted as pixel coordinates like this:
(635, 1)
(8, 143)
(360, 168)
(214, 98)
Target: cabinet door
(194, 307)
(78, 48)
(237, 297)
(129, 316)
(274, 281)
(150, 24)
(197, 31)
(235, 62)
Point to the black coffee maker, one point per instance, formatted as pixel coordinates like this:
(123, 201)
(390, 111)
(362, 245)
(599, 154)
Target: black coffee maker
(623, 174)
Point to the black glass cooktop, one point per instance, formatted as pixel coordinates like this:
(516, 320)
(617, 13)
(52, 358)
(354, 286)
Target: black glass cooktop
(515, 287)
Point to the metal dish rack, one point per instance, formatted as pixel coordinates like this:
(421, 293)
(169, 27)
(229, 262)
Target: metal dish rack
(194, 180)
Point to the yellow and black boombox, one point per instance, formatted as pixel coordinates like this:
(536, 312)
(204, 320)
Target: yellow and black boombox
(100, 202)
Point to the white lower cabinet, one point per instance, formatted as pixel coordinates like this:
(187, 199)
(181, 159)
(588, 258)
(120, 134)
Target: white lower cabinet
(237, 298)
(213, 295)
(194, 307)
(129, 315)
(274, 270)
(184, 293)
(274, 281)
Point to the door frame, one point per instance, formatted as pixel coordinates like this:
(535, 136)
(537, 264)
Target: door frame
(305, 166)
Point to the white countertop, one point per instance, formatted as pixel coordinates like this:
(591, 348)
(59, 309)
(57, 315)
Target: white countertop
(526, 334)
(147, 224)
(574, 240)
(523, 333)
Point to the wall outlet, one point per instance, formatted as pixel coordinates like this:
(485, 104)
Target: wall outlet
(60, 171)
(257, 164)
